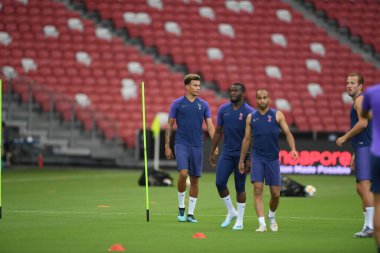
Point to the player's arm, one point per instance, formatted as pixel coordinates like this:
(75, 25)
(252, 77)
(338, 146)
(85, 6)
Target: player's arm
(214, 145)
(352, 163)
(168, 136)
(280, 117)
(210, 127)
(247, 161)
(211, 131)
(245, 144)
(367, 114)
(358, 127)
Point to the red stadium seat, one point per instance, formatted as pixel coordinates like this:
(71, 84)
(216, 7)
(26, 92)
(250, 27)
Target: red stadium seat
(362, 22)
(245, 57)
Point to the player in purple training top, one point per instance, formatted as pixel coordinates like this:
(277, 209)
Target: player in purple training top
(188, 112)
(263, 128)
(231, 123)
(371, 102)
(360, 134)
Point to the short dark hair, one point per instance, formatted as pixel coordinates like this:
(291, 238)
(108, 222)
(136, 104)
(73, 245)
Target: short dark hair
(360, 77)
(190, 77)
(262, 90)
(242, 86)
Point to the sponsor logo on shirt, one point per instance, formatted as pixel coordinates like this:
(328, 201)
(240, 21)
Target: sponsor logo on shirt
(254, 120)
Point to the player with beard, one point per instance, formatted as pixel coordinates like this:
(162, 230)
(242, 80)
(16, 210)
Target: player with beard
(231, 123)
(360, 135)
(263, 128)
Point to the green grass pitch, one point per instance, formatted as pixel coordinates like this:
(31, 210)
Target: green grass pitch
(79, 210)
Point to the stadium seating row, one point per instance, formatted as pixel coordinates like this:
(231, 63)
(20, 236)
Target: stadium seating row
(261, 43)
(268, 44)
(68, 62)
(361, 17)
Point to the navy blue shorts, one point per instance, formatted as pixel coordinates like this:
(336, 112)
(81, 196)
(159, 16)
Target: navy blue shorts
(189, 158)
(362, 164)
(266, 170)
(375, 169)
(226, 165)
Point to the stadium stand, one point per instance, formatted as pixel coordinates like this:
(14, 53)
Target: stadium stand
(65, 56)
(260, 43)
(360, 17)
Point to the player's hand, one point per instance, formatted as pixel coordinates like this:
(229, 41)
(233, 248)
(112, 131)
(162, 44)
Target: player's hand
(241, 167)
(352, 163)
(212, 159)
(295, 155)
(169, 154)
(340, 141)
(216, 151)
(247, 166)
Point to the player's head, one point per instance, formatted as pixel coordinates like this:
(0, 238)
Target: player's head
(192, 83)
(354, 84)
(237, 92)
(262, 98)
(191, 77)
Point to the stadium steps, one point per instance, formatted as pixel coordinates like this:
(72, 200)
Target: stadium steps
(74, 151)
(82, 147)
(16, 123)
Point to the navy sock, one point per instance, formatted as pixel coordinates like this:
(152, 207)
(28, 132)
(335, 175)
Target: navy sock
(182, 211)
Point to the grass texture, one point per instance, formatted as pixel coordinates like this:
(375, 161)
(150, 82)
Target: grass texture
(89, 210)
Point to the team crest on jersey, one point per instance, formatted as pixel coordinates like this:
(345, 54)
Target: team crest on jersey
(199, 106)
(241, 116)
(269, 118)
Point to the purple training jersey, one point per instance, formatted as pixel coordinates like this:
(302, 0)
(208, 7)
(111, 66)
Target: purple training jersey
(372, 102)
(265, 132)
(189, 118)
(364, 138)
(233, 123)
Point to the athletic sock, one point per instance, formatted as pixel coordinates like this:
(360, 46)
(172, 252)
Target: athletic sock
(365, 220)
(192, 203)
(228, 203)
(181, 211)
(271, 214)
(369, 216)
(240, 210)
(262, 221)
(181, 199)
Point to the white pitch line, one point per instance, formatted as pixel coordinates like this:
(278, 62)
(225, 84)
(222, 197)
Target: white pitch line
(58, 178)
(167, 214)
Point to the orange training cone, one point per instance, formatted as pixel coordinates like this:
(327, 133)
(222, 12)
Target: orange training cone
(116, 247)
(199, 235)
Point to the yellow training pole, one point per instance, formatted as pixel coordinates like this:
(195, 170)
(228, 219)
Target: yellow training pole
(145, 153)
